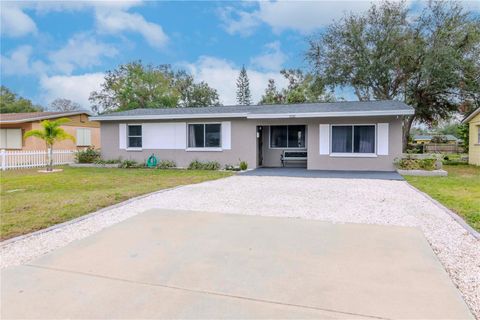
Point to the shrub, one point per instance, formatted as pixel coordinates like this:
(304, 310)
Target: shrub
(111, 161)
(199, 165)
(243, 165)
(129, 164)
(89, 155)
(410, 163)
(166, 164)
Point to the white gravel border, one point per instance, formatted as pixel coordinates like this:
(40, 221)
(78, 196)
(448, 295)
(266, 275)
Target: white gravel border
(383, 202)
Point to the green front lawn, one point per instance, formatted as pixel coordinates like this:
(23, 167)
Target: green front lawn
(31, 201)
(460, 191)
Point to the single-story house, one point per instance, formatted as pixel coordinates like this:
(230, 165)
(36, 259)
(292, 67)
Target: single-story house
(427, 138)
(14, 125)
(473, 119)
(327, 136)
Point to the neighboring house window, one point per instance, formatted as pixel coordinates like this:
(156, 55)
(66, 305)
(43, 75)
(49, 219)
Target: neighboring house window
(10, 138)
(204, 135)
(353, 139)
(84, 137)
(287, 136)
(478, 135)
(134, 136)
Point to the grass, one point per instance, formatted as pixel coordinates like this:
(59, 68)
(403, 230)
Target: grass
(459, 191)
(32, 201)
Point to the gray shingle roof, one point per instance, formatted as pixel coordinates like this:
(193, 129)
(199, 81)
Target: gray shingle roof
(396, 107)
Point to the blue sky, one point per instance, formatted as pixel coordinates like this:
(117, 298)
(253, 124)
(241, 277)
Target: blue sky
(54, 49)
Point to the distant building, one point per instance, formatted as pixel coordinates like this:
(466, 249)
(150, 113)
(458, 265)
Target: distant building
(474, 138)
(14, 125)
(427, 138)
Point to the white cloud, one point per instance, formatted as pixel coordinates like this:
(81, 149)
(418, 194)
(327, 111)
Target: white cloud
(117, 21)
(302, 16)
(241, 22)
(272, 57)
(76, 88)
(19, 63)
(82, 50)
(14, 22)
(222, 75)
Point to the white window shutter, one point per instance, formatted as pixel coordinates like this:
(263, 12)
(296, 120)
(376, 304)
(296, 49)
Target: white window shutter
(226, 135)
(122, 136)
(87, 137)
(3, 138)
(181, 135)
(324, 139)
(382, 139)
(80, 137)
(14, 138)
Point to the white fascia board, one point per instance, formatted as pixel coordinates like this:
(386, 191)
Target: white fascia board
(331, 114)
(471, 116)
(169, 116)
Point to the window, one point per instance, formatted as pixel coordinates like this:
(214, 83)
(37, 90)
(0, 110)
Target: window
(353, 139)
(287, 136)
(204, 135)
(10, 138)
(478, 134)
(134, 136)
(84, 137)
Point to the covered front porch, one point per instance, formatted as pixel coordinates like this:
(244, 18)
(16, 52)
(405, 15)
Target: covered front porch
(282, 146)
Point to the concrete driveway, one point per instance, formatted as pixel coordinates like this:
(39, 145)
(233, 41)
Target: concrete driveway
(179, 264)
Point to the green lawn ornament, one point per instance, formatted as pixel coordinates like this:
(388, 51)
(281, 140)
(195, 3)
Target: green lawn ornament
(152, 161)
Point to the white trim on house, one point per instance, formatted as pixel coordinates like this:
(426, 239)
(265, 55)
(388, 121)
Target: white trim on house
(330, 114)
(471, 116)
(207, 149)
(257, 116)
(382, 139)
(169, 116)
(324, 139)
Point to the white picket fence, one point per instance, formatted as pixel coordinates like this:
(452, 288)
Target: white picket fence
(18, 159)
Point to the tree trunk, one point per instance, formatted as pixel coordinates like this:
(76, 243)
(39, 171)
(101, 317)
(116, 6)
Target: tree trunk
(407, 125)
(50, 158)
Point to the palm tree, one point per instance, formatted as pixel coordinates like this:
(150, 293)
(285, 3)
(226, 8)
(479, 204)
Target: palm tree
(51, 133)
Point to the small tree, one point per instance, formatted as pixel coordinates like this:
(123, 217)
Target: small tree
(50, 133)
(243, 88)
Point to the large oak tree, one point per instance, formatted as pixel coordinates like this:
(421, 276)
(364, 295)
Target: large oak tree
(428, 59)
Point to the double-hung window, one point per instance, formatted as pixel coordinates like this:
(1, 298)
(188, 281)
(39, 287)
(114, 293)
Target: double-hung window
(134, 136)
(292, 136)
(204, 135)
(353, 139)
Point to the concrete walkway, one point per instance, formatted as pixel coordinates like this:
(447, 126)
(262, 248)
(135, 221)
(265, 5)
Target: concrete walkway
(179, 264)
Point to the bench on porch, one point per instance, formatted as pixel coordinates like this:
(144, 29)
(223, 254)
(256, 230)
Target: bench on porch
(296, 156)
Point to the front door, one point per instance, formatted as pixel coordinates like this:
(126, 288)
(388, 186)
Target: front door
(259, 146)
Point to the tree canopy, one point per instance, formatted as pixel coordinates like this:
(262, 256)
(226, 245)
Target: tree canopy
(61, 104)
(302, 88)
(429, 60)
(135, 85)
(10, 102)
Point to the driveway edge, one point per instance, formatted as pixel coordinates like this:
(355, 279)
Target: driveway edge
(452, 214)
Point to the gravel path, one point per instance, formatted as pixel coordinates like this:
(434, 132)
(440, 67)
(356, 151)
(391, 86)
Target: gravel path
(338, 200)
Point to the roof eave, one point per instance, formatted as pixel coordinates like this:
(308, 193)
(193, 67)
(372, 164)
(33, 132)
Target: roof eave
(66, 114)
(258, 116)
(471, 116)
(168, 116)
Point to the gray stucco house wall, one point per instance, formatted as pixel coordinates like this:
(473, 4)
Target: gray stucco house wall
(245, 134)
